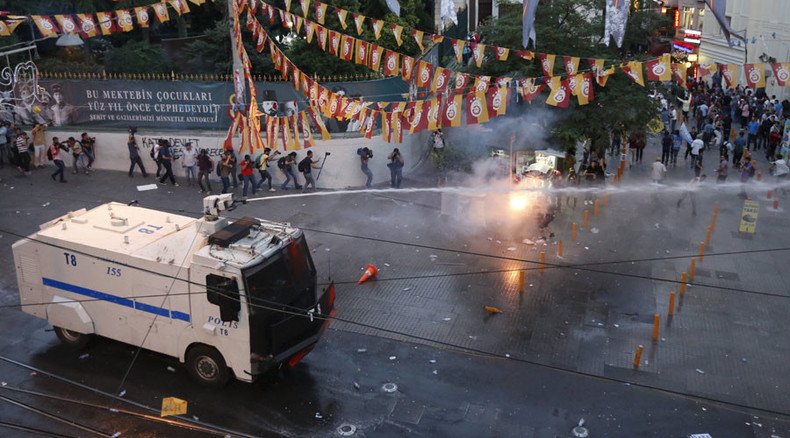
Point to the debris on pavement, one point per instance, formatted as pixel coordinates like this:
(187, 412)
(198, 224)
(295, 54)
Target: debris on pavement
(406, 289)
(389, 387)
(356, 386)
(362, 350)
(318, 416)
(700, 371)
(393, 357)
(492, 309)
(122, 393)
(84, 356)
(594, 230)
(528, 242)
(171, 369)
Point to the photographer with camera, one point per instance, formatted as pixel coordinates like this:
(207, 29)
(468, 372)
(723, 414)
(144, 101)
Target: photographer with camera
(366, 154)
(396, 168)
(88, 149)
(134, 154)
(262, 163)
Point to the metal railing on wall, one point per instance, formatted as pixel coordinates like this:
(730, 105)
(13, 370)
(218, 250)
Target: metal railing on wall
(173, 76)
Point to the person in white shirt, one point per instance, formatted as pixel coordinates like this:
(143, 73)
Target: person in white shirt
(188, 162)
(658, 171)
(696, 146)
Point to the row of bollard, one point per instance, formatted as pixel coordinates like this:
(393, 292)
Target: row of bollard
(597, 207)
(684, 277)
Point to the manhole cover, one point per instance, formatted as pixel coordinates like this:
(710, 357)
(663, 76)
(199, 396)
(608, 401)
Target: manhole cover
(389, 387)
(346, 429)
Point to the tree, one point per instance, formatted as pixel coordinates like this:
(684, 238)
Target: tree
(138, 57)
(575, 28)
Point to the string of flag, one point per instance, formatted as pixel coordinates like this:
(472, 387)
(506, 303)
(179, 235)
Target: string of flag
(89, 25)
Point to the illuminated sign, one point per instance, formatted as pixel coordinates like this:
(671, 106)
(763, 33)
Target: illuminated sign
(676, 20)
(683, 47)
(692, 36)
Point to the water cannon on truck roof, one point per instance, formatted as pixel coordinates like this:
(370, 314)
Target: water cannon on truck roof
(226, 297)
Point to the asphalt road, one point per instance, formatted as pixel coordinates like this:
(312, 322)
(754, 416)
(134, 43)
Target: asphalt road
(560, 351)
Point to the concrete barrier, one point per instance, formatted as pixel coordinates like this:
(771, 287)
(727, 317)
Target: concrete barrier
(342, 168)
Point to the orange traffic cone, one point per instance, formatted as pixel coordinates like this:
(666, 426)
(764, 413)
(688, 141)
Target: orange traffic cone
(370, 272)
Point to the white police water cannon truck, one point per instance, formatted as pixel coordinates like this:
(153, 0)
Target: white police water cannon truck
(226, 297)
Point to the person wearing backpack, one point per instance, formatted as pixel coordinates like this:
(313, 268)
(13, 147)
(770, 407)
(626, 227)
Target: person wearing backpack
(666, 147)
(205, 165)
(286, 166)
(262, 163)
(306, 167)
(53, 153)
(167, 158)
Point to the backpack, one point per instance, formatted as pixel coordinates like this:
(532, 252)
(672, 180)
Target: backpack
(219, 167)
(302, 166)
(49, 153)
(281, 163)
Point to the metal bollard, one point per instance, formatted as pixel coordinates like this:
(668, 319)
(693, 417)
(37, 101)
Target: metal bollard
(671, 303)
(638, 355)
(656, 321)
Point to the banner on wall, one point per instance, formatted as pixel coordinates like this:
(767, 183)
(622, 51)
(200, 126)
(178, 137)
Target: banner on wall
(177, 105)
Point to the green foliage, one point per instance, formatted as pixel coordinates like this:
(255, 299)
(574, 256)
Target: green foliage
(138, 57)
(455, 159)
(575, 28)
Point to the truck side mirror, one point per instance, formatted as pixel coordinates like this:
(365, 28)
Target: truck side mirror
(224, 292)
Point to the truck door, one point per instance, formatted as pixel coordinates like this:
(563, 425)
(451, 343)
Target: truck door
(219, 316)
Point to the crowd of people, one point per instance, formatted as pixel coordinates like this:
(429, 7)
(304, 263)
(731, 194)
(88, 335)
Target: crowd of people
(28, 152)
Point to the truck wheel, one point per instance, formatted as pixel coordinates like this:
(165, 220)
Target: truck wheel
(207, 367)
(75, 340)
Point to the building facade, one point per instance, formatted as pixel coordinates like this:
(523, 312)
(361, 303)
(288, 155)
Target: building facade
(766, 26)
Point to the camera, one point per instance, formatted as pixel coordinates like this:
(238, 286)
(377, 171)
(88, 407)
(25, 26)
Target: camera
(365, 152)
(132, 130)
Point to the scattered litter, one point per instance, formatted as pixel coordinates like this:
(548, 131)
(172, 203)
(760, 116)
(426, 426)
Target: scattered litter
(17, 212)
(436, 372)
(33, 373)
(346, 429)
(114, 410)
(594, 230)
(195, 417)
(327, 249)
(116, 434)
(499, 242)
(304, 205)
(540, 242)
(490, 239)
(146, 187)
(406, 289)
(743, 359)
(700, 371)
(3, 384)
(528, 242)
(617, 325)
(393, 357)
(84, 356)
(46, 204)
(600, 324)
(356, 385)
(171, 369)
(663, 339)
(507, 355)
(657, 226)
(387, 265)
(511, 248)
(704, 409)
(432, 361)
(587, 247)
(362, 350)
(433, 257)
(389, 387)
(122, 393)
(446, 319)
(318, 416)
(472, 337)
(530, 285)
(492, 309)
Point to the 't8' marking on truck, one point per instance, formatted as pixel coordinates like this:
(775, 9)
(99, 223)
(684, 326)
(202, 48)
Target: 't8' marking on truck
(149, 229)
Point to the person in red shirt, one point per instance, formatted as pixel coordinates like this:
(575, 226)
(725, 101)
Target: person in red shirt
(247, 175)
(54, 155)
